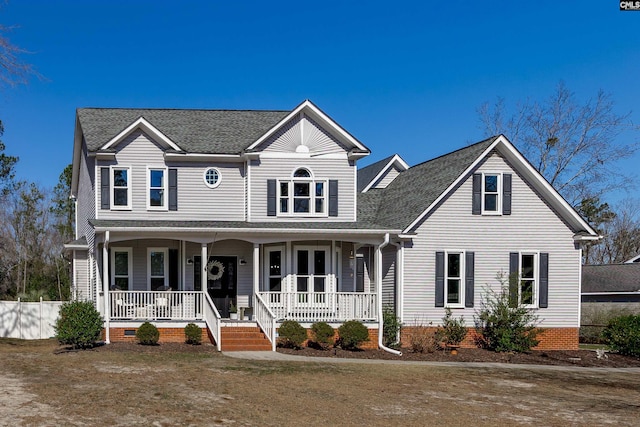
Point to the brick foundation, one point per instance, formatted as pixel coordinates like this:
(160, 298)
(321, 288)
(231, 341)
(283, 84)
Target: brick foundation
(166, 335)
(550, 338)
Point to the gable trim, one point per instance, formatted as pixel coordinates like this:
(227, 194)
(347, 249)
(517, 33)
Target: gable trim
(145, 126)
(309, 108)
(564, 209)
(395, 159)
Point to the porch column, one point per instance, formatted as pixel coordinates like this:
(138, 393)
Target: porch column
(203, 266)
(105, 286)
(256, 268)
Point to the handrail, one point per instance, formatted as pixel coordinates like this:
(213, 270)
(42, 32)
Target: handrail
(212, 319)
(326, 307)
(266, 320)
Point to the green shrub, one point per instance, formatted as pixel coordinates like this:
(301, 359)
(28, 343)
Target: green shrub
(193, 334)
(622, 334)
(79, 324)
(352, 334)
(595, 317)
(391, 328)
(505, 325)
(452, 331)
(323, 334)
(291, 334)
(147, 334)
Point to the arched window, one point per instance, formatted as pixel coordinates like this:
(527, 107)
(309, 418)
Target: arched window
(302, 195)
(302, 173)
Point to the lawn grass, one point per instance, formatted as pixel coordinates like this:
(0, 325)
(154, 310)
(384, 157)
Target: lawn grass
(166, 388)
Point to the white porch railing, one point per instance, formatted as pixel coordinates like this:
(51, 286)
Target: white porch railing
(212, 319)
(322, 307)
(149, 305)
(266, 320)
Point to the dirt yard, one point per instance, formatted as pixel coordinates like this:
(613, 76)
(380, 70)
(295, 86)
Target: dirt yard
(172, 385)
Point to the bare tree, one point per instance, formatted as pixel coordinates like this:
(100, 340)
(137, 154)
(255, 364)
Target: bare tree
(621, 236)
(575, 146)
(13, 70)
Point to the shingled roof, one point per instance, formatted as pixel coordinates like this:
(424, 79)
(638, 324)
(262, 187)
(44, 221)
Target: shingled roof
(415, 189)
(194, 131)
(611, 278)
(367, 173)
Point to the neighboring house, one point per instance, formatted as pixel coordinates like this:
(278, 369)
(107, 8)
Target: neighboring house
(184, 214)
(611, 282)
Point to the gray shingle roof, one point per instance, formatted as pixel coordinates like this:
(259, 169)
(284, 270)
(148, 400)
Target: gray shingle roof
(367, 173)
(302, 225)
(195, 131)
(413, 191)
(611, 278)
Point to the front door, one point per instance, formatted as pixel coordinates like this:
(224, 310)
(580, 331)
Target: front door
(222, 281)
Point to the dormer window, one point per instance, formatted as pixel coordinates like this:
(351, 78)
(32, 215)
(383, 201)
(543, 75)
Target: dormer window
(302, 195)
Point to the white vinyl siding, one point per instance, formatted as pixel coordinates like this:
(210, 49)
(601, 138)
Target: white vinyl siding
(492, 238)
(323, 169)
(388, 177)
(86, 208)
(81, 274)
(196, 201)
(389, 277)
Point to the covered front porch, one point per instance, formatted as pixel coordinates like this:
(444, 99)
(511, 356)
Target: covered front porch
(261, 278)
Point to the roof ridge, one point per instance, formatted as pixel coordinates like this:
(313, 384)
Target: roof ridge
(491, 138)
(182, 109)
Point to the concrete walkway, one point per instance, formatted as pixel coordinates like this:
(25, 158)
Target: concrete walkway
(281, 357)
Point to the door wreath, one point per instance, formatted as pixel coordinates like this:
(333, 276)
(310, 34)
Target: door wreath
(215, 269)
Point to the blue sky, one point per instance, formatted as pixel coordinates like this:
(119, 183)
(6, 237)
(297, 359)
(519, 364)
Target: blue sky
(403, 77)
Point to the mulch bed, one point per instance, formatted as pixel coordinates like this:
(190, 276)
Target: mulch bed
(587, 358)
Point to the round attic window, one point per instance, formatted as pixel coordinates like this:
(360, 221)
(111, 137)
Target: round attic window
(212, 177)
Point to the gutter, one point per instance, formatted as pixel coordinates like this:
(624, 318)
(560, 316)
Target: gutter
(380, 317)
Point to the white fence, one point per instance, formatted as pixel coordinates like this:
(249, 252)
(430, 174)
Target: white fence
(28, 320)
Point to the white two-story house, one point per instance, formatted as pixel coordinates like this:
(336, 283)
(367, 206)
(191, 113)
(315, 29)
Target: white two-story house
(187, 215)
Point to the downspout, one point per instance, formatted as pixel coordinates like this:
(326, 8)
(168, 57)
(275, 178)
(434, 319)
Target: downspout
(379, 280)
(105, 286)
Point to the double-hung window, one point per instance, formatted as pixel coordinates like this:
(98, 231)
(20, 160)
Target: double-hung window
(527, 289)
(491, 190)
(454, 279)
(302, 195)
(121, 187)
(157, 186)
(529, 279)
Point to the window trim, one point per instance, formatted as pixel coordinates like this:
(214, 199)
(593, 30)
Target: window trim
(112, 187)
(312, 276)
(204, 177)
(498, 193)
(462, 277)
(290, 197)
(165, 188)
(536, 278)
(129, 251)
(164, 250)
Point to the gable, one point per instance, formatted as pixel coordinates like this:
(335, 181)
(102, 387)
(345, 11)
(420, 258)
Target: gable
(302, 134)
(305, 129)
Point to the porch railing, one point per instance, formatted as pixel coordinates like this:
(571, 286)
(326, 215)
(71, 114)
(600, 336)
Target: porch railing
(266, 320)
(212, 319)
(326, 307)
(149, 305)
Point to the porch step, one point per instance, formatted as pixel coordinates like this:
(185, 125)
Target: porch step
(243, 339)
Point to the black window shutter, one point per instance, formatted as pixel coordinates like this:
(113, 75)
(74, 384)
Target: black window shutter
(506, 194)
(271, 197)
(173, 189)
(469, 279)
(477, 194)
(104, 188)
(543, 301)
(333, 197)
(439, 279)
(514, 277)
(173, 269)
